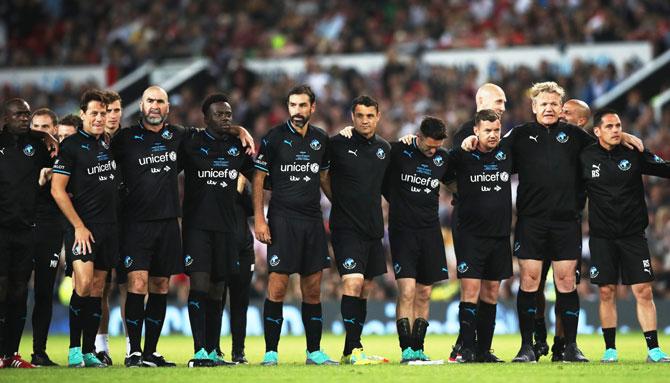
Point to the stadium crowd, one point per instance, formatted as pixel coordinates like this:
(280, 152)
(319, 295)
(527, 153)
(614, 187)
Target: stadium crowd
(62, 32)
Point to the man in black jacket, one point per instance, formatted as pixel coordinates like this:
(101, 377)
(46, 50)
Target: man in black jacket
(617, 220)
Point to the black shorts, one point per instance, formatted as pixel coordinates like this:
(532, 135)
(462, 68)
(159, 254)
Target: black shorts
(298, 246)
(154, 246)
(212, 252)
(104, 251)
(419, 254)
(626, 258)
(547, 240)
(487, 258)
(356, 254)
(16, 252)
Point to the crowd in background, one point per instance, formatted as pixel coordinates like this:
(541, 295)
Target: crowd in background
(407, 90)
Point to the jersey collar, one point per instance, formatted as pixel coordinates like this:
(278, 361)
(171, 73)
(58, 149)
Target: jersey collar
(359, 137)
(210, 135)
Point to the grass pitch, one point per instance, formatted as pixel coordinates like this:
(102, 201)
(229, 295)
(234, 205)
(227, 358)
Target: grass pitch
(631, 368)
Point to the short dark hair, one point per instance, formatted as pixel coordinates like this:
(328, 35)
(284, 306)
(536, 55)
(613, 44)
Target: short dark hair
(71, 120)
(486, 115)
(10, 102)
(598, 117)
(112, 96)
(92, 95)
(302, 89)
(213, 99)
(433, 127)
(47, 112)
(365, 101)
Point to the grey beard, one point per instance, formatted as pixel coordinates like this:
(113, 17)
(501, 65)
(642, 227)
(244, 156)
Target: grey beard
(154, 120)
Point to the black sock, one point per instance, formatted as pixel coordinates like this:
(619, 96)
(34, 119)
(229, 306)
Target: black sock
(652, 339)
(362, 317)
(3, 325)
(486, 324)
(559, 344)
(273, 317)
(239, 303)
(134, 320)
(213, 318)
(312, 320)
(43, 308)
(350, 308)
(76, 315)
(91, 323)
(526, 309)
(610, 337)
(419, 330)
(404, 333)
(467, 318)
(197, 309)
(568, 307)
(540, 330)
(154, 315)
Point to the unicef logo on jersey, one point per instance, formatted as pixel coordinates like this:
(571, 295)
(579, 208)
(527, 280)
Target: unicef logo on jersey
(234, 151)
(381, 154)
(28, 150)
(315, 144)
(274, 261)
(462, 267)
(232, 174)
(173, 156)
(113, 165)
(562, 137)
(434, 183)
(397, 268)
(624, 165)
(438, 160)
(166, 134)
(501, 156)
(593, 272)
(504, 176)
(349, 264)
(188, 260)
(128, 261)
(314, 168)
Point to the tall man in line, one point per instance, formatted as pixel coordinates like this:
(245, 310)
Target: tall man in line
(22, 157)
(294, 155)
(112, 126)
(48, 244)
(84, 185)
(617, 219)
(578, 113)
(356, 176)
(412, 187)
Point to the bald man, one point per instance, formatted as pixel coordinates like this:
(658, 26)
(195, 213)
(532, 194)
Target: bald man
(489, 96)
(575, 112)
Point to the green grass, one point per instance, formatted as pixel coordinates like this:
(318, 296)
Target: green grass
(632, 368)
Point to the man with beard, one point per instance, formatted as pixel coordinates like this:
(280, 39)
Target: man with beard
(22, 156)
(294, 157)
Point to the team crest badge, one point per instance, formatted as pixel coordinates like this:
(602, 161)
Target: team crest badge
(315, 144)
(624, 165)
(562, 137)
(381, 154)
(349, 263)
(234, 151)
(166, 134)
(438, 160)
(501, 156)
(28, 150)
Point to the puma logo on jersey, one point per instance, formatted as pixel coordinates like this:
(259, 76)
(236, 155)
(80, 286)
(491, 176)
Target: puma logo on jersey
(595, 171)
(2, 151)
(534, 138)
(354, 152)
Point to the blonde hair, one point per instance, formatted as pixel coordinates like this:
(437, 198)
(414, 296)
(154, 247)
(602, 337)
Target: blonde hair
(546, 87)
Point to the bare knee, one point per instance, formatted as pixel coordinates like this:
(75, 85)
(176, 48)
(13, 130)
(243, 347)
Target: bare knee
(607, 293)
(353, 286)
(137, 283)
(643, 292)
(277, 286)
(422, 293)
(159, 285)
(489, 291)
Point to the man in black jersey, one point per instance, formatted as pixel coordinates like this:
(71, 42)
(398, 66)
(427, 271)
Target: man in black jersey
(48, 244)
(483, 252)
(578, 113)
(151, 249)
(294, 155)
(357, 171)
(412, 187)
(212, 160)
(112, 126)
(22, 156)
(84, 185)
(617, 220)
